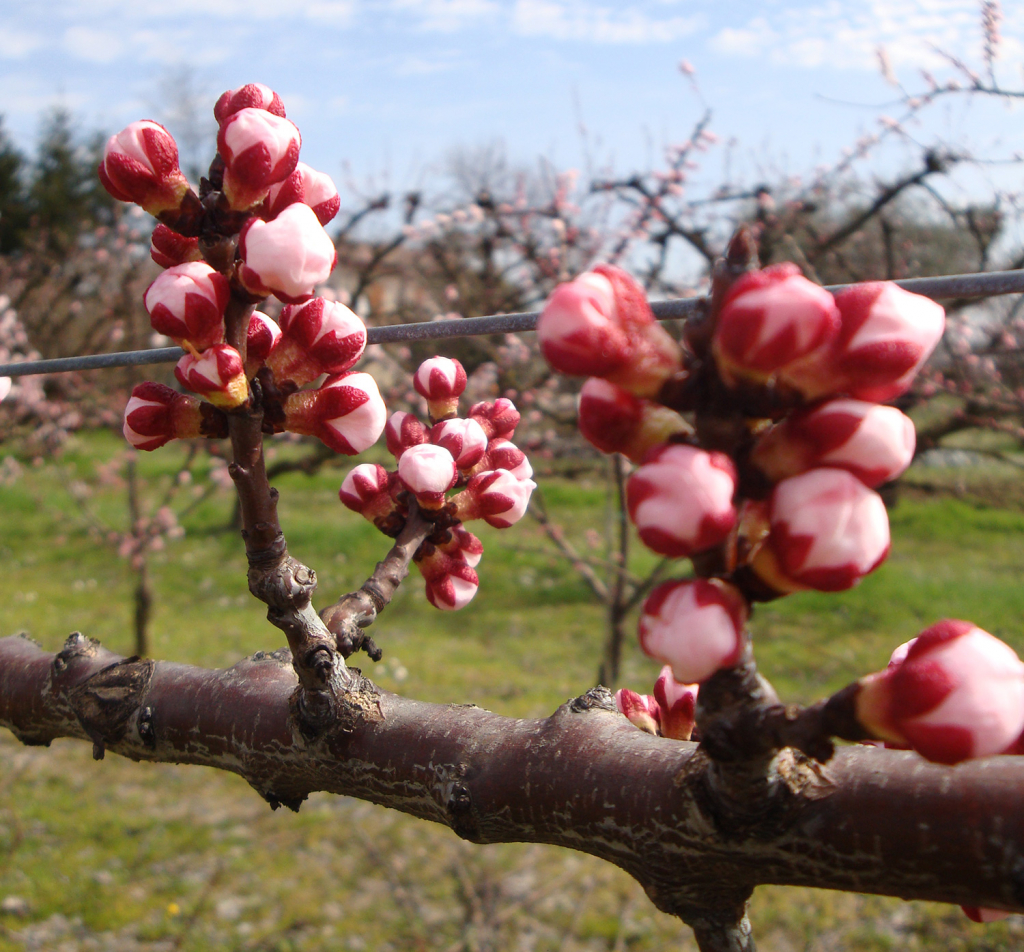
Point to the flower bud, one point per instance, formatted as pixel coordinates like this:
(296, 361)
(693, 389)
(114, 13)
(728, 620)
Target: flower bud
(168, 248)
(828, 530)
(681, 500)
(259, 149)
(368, 490)
(261, 338)
(677, 703)
(140, 165)
(464, 545)
(616, 421)
(318, 337)
(187, 303)
(5, 388)
(498, 418)
(441, 380)
(497, 497)
(641, 710)
(464, 439)
(958, 694)
(501, 454)
(402, 431)
(874, 442)
(217, 374)
(308, 186)
(346, 413)
(695, 627)
(156, 414)
(428, 472)
(980, 914)
(451, 583)
(249, 96)
(286, 257)
(771, 320)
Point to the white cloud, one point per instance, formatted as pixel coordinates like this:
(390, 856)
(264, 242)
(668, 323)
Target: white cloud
(448, 16)
(577, 20)
(94, 46)
(17, 44)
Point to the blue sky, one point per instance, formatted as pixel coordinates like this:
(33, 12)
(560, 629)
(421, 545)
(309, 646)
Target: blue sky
(392, 85)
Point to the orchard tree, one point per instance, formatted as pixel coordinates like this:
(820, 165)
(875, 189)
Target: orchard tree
(758, 438)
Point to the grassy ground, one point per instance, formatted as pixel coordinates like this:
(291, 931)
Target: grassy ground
(122, 856)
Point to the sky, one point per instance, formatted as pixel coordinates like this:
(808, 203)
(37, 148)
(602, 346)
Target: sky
(391, 87)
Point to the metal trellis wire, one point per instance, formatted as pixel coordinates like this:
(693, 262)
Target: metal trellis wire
(946, 287)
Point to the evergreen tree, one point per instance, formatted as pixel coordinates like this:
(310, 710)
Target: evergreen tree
(14, 210)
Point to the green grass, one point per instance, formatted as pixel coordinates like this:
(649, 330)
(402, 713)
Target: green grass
(185, 858)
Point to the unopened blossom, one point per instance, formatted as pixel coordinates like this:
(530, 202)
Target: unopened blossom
(641, 709)
(308, 186)
(980, 914)
(403, 430)
(957, 694)
(464, 439)
(261, 338)
(694, 626)
(677, 703)
(874, 442)
(497, 497)
(346, 413)
(498, 418)
(168, 248)
(680, 500)
(463, 545)
(827, 531)
(616, 421)
(286, 257)
(259, 150)
(187, 302)
(369, 490)
(318, 337)
(441, 381)
(451, 583)
(217, 374)
(249, 96)
(428, 472)
(140, 165)
(501, 454)
(5, 387)
(156, 414)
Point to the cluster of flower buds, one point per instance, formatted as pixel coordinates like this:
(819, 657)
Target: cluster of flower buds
(457, 469)
(668, 713)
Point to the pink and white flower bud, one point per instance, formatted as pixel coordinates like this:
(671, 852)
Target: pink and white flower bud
(402, 431)
(261, 338)
(980, 914)
(958, 694)
(501, 454)
(641, 710)
(616, 421)
(346, 413)
(874, 442)
(167, 248)
(451, 583)
(465, 546)
(428, 472)
(156, 414)
(696, 627)
(464, 439)
(187, 303)
(369, 490)
(5, 388)
(217, 374)
(771, 320)
(677, 703)
(680, 500)
(828, 530)
(441, 380)
(318, 337)
(249, 96)
(308, 186)
(498, 418)
(259, 149)
(497, 497)
(140, 165)
(286, 257)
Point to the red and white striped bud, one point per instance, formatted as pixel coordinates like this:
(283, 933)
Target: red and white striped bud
(167, 248)
(346, 413)
(318, 337)
(451, 583)
(156, 414)
(874, 442)
(441, 380)
(677, 703)
(498, 418)
(308, 186)
(402, 431)
(885, 337)
(980, 914)
(771, 320)
(286, 257)
(5, 388)
(464, 439)
(616, 421)
(958, 694)
(497, 497)
(641, 710)
(501, 454)
(368, 490)
(261, 338)
(680, 500)
(696, 627)
(217, 374)
(428, 472)
(187, 303)
(827, 531)
(259, 149)
(140, 165)
(249, 96)
(465, 546)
